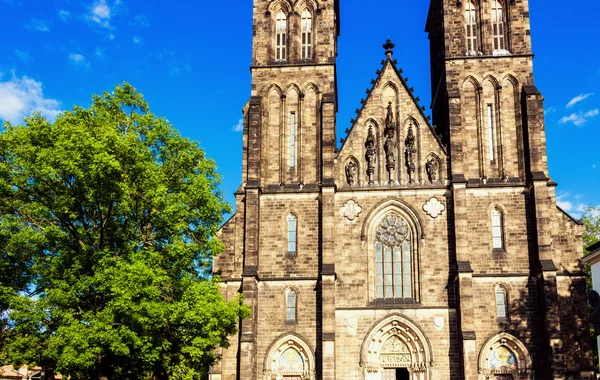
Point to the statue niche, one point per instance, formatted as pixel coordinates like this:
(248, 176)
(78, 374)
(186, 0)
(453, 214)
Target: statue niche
(370, 155)
(351, 172)
(432, 166)
(410, 152)
(390, 143)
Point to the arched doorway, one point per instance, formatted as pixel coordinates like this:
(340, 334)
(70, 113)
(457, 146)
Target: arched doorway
(396, 349)
(504, 357)
(289, 358)
(395, 374)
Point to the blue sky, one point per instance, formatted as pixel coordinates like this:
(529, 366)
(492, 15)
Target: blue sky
(190, 59)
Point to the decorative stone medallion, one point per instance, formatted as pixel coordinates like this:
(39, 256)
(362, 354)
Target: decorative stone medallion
(434, 207)
(351, 210)
(352, 323)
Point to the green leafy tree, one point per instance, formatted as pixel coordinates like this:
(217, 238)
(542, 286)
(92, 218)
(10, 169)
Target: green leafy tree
(591, 221)
(591, 234)
(106, 225)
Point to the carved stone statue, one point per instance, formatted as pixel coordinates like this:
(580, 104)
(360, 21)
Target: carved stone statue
(432, 167)
(390, 141)
(351, 170)
(594, 300)
(370, 155)
(410, 152)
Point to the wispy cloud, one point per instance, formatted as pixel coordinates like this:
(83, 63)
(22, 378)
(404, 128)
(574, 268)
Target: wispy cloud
(12, 3)
(23, 56)
(580, 118)
(239, 126)
(138, 40)
(99, 53)
(550, 110)
(38, 25)
(578, 99)
(22, 96)
(141, 20)
(102, 12)
(571, 204)
(64, 15)
(79, 60)
(564, 203)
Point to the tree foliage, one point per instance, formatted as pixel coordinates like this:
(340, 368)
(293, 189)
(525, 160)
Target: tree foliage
(106, 224)
(591, 221)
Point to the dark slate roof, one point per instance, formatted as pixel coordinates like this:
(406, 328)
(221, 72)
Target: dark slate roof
(409, 90)
(593, 248)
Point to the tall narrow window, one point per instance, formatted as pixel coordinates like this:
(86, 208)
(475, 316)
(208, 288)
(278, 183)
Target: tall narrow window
(292, 227)
(490, 123)
(307, 37)
(393, 271)
(501, 308)
(498, 25)
(293, 140)
(281, 32)
(497, 229)
(471, 19)
(291, 305)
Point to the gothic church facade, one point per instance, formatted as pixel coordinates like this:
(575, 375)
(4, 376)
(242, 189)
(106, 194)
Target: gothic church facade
(416, 250)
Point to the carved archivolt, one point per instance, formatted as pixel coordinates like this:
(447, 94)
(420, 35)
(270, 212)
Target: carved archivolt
(396, 342)
(504, 354)
(289, 356)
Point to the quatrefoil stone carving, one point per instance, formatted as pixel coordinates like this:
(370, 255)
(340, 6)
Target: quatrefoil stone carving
(434, 207)
(351, 210)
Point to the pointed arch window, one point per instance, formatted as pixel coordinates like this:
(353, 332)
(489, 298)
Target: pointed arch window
(292, 146)
(497, 229)
(292, 229)
(393, 263)
(472, 27)
(501, 305)
(498, 25)
(307, 34)
(291, 305)
(490, 127)
(281, 36)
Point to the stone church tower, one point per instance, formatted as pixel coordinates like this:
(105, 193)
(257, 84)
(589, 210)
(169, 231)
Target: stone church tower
(414, 251)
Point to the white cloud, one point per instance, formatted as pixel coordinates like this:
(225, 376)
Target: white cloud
(565, 205)
(99, 53)
(574, 208)
(64, 15)
(580, 118)
(12, 3)
(102, 12)
(141, 20)
(239, 126)
(23, 56)
(577, 99)
(79, 60)
(38, 25)
(592, 113)
(23, 96)
(550, 110)
(138, 40)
